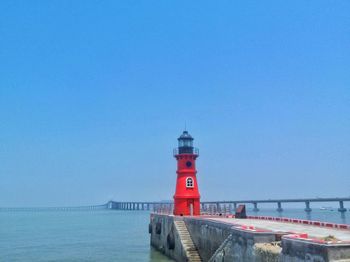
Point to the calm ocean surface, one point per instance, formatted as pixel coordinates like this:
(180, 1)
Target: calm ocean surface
(97, 235)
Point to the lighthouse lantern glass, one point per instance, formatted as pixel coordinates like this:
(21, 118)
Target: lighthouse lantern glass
(186, 143)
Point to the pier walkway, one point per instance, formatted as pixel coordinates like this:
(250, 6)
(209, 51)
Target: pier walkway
(276, 226)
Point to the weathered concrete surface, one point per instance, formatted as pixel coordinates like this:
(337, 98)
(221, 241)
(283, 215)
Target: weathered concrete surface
(313, 231)
(187, 243)
(207, 235)
(268, 252)
(238, 249)
(165, 238)
(221, 239)
(294, 250)
(230, 244)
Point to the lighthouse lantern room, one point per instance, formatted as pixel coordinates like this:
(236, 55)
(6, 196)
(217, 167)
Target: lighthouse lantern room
(186, 198)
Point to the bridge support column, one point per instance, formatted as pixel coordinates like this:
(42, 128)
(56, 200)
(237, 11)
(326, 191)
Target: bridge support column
(147, 206)
(255, 209)
(202, 207)
(341, 207)
(218, 207)
(279, 207)
(230, 208)
(138, 206)
(307, 206)
(235, 207)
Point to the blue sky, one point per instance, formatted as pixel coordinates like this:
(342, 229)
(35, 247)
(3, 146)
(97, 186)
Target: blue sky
(93, 95)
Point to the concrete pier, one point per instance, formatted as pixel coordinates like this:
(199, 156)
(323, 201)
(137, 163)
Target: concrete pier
(217, 238)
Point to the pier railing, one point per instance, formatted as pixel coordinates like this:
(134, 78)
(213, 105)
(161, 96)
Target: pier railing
(193, 150)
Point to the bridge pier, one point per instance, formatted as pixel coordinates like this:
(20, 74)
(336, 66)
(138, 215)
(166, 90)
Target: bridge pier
(341, 207)
(212, 208)
(202, 207)
(230, 208)
(223, 208)
(307, 206)
(279, 207)
(255, 209)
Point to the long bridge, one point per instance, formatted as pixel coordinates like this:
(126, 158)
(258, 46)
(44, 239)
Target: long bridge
(38, 209)
(220, 205)
(216, 206)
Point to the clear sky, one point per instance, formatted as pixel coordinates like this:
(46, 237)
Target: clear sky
(93, 95)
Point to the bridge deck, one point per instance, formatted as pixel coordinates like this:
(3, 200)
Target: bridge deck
(312, 231)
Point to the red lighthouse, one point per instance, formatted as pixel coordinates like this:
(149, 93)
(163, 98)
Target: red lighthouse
(186, 198)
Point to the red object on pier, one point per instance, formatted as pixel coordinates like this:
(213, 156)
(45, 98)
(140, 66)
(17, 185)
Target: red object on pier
(186, 198)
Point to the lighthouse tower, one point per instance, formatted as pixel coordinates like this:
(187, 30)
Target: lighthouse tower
(186, 198)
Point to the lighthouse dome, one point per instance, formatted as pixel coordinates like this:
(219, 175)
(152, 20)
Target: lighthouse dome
(186, 136)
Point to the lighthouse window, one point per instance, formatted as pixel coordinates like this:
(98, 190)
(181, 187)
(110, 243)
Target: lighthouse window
(188, 163)
(189, 182)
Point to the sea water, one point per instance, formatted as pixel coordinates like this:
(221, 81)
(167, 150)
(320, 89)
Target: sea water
(76, 236)
(100, 235)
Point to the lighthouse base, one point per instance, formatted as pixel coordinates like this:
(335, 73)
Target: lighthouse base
(186, 207)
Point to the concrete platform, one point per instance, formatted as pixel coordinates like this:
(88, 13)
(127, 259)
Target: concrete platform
(275, 226)
(218, 238)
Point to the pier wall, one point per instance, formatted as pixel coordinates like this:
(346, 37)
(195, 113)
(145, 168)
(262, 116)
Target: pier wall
(222, 242)
(219, 241)
(165, 238)
(297, 250)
